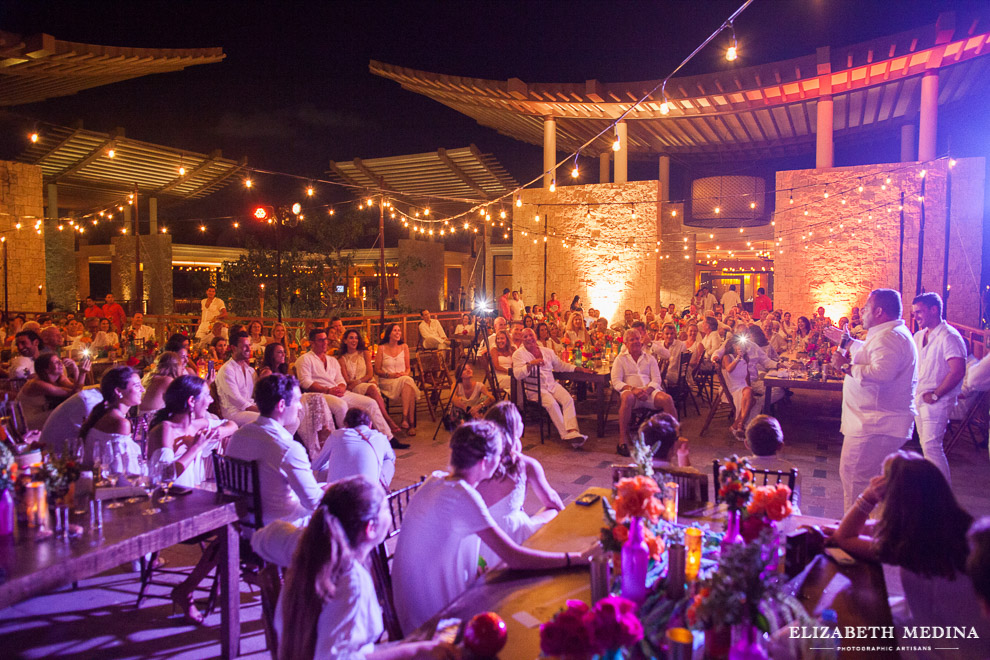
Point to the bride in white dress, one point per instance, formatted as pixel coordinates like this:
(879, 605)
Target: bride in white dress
(505, 491)
(394, 375)
(108, 427)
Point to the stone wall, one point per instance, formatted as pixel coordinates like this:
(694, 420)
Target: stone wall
(421, 273)
(60, 264)
(21, 201)
(156, 261)
(611, 259)
(832, 251)
(676, 275)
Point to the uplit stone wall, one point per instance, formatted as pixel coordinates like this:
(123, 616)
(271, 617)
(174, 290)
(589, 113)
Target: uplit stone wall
(21, 200)
(60, 264)
(156, 261)
(611, 261)
(832, 254)
(421, 273)
(676, 275)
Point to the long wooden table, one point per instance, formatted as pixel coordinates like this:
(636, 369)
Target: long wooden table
(771, 382)
(30, 566)
(525, 600)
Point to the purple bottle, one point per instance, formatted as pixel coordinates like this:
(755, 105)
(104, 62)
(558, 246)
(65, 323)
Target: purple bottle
(635, 562)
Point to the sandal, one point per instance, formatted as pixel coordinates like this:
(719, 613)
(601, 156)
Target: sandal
(411, 431)
(182, 601)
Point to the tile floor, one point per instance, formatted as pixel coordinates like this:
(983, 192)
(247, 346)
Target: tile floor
(99, 618)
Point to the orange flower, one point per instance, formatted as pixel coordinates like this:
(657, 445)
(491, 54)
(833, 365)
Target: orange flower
(636, 498)
(620, 533)
(656, 545)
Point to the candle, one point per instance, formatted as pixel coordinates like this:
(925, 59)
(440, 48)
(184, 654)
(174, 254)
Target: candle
(36, 504)
(692, 543)
(680, 643)
(670, 502)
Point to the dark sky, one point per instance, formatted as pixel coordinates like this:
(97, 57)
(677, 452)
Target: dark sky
(295, 91)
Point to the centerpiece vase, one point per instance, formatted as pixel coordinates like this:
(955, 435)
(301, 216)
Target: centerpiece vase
(718, 640)
(7, 510)
(746, 643)
(732, 536)
(635, 563)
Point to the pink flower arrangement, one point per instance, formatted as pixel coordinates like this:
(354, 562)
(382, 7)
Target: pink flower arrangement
(580, 632)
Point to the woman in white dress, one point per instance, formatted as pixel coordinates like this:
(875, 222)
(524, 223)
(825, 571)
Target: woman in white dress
(106, 338)
(355, 365)
(258, 340)
(470, 399)
(576, 330)
(108, 427)
(394, 375)
(501, 355)
(735, 368)
(505, 491)
(47, 388)
(328, 607)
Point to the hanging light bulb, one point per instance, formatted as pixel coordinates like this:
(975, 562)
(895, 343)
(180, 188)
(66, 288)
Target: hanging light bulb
(616, 144)
(309, 191)
(518, 200)
(426, 211)
(553, 185)
(111, 153)
(860, 187)
(664, 107)
(248, 183)
(732, 52)
(182, 170)
(501, 214)
(34, 136)
(575, 173)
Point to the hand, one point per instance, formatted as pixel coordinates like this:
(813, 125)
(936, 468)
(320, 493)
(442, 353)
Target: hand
(339, 390)
(538, 362)
(927, 397)
(71, 369)
(834, 335)
(877, 489)
(839, 360)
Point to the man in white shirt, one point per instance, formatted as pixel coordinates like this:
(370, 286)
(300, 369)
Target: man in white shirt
(636, 376)
(530, 358)
(235, 383)
(877, 393)
(705, 300)
(289, 490)
(138, 330)
(319, 372)
(675, 348)
(431, 332)
(730, 298)
(712, 340)
(28, 345)
(941, 369)
(517, 308)
(64, 422)
(357, 449)
(213, 309)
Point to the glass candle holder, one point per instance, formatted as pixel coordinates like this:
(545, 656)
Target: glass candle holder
(692, 546)
(670, 502)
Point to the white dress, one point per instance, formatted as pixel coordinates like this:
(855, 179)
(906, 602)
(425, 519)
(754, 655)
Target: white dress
(125, 450)
(197, 471)
(355, 368)
(392, 387)
(505, 379)
(508, 513)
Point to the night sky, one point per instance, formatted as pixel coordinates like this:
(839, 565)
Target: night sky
(294, 90)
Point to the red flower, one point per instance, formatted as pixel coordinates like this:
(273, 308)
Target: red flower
(636, 498)
(613, 624)
(566, 634)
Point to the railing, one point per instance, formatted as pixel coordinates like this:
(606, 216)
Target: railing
(975, 338)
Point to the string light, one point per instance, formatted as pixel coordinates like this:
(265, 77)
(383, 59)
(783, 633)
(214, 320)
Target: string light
(309, 191)
(732, 52)
(33, 137)
(248, 183)
(553, 185)
(111, 153)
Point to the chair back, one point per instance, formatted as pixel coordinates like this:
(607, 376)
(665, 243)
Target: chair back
(215, 395)
(531, 387)
(432, 369)
(777, 475)
(691, 486)
(240, 478)
(381, 558)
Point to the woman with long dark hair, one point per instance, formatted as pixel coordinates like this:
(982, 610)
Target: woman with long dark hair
(169, 366)
(394, 374)
(47, 388)
(274, 361)
(108, 426)
(355, 366)
(328, 607)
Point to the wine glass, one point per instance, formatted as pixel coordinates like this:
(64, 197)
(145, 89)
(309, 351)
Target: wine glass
(150, 476)
(111, 467)
(168, 475)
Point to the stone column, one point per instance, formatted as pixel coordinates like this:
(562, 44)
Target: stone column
(928, 122)
(153, 214)
(676, 263)
(549, 150)
(824, 147)
(621, 156)
(60, 265)
(908, 152)
(664, 178)
(156, 260)
(604, 165)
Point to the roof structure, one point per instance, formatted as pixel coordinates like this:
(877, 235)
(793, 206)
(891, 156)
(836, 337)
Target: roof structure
(93, 168)
(753, 112)
(39, 66)
(462, 174)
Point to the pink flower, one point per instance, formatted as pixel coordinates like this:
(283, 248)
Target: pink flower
(751, 527)
(613, 624)
(566, 634)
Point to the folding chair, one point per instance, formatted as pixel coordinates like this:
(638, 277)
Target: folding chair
(724, 399)
(681, 391)
(533, 409)
(431, 378)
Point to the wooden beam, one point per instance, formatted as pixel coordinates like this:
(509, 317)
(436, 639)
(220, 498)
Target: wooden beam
(335, 168)
(378, 181)
(77, 129)
(219, 179)
(178, 181)
(88, 158)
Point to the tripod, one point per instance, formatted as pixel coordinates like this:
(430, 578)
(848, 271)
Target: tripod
(480, 330)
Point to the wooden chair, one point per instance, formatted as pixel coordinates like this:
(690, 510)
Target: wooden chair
(974, 422)
(691, 486)
(681, 391)
(431, 377)
(791, 476)
(533, 410)
(704, 379)
(381, 558)
(718, 401)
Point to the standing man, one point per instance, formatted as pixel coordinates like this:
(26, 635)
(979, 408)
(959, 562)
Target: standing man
(761, 303)
(431, 333)
(877, 393)
(556, 400)
(552, 308)
(636, 376)
(517, 308)
(212, 309)
(941, 368)
(731, 298)
(92, 309)
(319, 372)
(705, 300)
(503, 305)
(115, 313)
(235, 382)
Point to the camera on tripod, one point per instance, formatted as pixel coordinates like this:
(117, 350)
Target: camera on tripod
(484, 309)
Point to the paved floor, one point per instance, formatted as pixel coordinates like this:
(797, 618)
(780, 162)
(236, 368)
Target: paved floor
(100, 620)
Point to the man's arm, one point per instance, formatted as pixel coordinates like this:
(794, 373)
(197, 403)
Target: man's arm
(299, 472)
(304, 372)
(440, 333)
(884, 362)
(520, 366)
(231, 395)
(619, 383)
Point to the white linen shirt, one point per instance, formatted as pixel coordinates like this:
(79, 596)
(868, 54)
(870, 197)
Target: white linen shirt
(432, 330)
(311, 369)
(551, 363)
(289, 490)
(730, 299)
(644, 372)
(235, 385)
(878, 393)
(944, 343)
(210, 311)
(145, 332)
(362, 450)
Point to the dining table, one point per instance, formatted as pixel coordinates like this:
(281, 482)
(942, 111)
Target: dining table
(601, 378)
(795, 380)
(34, 561)
(525, 599)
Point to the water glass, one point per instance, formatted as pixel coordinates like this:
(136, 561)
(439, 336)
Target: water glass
(168, 475)
(150, 477)
(111, 468)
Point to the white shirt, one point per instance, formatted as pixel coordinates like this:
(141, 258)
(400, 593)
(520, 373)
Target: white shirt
(361, 450)
(517, 309)
(878, 394)
(21, 367)
(432, 330)
(289, 490)
(436, 557)
(464, 330)
(551, 363)
(310, 369)
(235, 385)
(730, 299)
(64, 422)
(675, 352)
(644, 372)
(944, 343)
(708, 303)
(210, 312)
(712, 342)
(145, 332)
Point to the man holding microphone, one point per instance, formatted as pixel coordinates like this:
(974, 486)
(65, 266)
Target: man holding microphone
(878, 391)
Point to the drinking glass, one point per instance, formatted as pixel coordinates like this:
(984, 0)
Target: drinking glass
(111, 468)
(150, 477)
(167, 478)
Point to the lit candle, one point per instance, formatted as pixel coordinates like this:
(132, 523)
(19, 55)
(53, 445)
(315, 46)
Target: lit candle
(670, 502)
(36, 504)
(692, 543)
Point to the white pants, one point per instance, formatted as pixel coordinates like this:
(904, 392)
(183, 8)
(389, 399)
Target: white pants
(432, 343)
(243, 417)
(931, 422)
(340, 404)
(560, 406)
(861, 459)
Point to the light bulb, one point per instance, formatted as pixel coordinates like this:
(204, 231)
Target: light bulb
(664, 108)
(553, 185)
(718, 210)
(248, 183)
(731, 53)
(202, 228)
(309, 191)
(752, 205)
(182, 171)
(426, 211)
(617, 145)
(34, 137)
(331, 211)
(519, 200)
(501, 214)
(111, 153)
(575, 173)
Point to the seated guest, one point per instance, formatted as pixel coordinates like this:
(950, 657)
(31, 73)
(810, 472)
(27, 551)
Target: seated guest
(179, 343)
(803, 335)
(470, 399)
(501, 357)
(107, 426)
(258, 340)
(545, 340)
(466, 327)
(46, 389)
(528, 321)
(778, 341)
(533, 359)
(515, 335)
(355, 365)
(51, 339)
(106, 339)
(636, 376)
(601, 333)
(274, 361)
(328, 607)
(28, 345)
(767, 356)
(235, 383)
(431, 333)
(921, 528)
(357, 449)
(139, 332)
(63, 423)
(219, 349)
(74, 337)
(663, 432)
(436, 557)
(319, 372)
(217, 331)
(394, 375)
(710, 337)
(765, 438)
(289, 490)
(498, 325)
(978, 562)
(505, 491)
(170, 365)
(676, 349)
(735, 368)
(576, 331)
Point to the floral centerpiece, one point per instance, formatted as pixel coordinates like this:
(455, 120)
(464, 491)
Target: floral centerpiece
(579, 632)
(58, 473)
(768, 506)
(636, 498)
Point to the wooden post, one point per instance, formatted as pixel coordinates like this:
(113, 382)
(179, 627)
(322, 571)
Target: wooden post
(921, 238)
